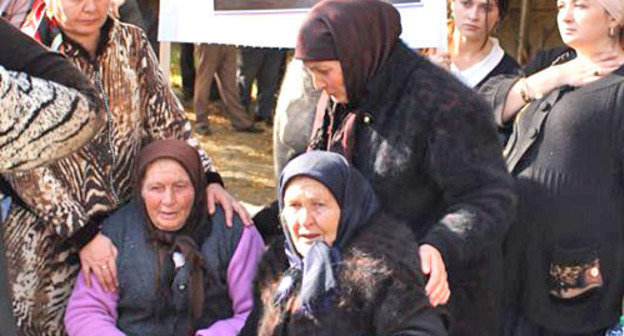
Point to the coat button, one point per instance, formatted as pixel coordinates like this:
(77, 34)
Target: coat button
(182, 287)
(367, 119)
(545, 106)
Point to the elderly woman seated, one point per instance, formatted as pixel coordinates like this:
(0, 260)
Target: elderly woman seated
(181, 271)
(352, 269)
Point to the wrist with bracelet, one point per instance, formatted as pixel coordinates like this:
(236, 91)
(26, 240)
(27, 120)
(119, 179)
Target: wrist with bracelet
(525, 91)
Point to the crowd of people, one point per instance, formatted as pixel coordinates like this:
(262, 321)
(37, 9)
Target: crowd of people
(425, 193)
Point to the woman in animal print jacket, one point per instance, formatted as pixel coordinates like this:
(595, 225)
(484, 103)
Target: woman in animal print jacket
(57, 210)
(42, 118)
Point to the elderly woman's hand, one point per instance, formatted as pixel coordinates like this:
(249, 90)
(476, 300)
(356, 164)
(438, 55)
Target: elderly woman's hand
(99, 256)
(437, 288)
(216, 194)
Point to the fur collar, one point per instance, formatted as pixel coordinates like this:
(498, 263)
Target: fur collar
(385, 251)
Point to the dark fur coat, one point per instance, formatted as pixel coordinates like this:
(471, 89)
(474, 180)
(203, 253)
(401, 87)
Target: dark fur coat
(428, 145)
(380, 291)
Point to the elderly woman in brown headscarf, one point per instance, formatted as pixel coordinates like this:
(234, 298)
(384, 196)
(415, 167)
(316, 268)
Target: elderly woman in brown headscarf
(181, 270)
(425, 142)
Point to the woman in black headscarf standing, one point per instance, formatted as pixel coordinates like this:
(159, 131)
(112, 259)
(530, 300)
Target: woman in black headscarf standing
(425, 142)
(347, 274)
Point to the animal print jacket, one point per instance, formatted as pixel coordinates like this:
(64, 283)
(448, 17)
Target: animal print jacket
(30, 108)
(59, 207)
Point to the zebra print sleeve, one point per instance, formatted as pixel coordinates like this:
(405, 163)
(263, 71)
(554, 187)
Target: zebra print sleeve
(165, 115)
(41, 121)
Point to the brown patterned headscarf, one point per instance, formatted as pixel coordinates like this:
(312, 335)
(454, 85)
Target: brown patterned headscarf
(361, 34)
(174, 149)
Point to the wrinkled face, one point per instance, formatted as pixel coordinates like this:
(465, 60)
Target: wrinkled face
(475, 18)
(310, 213)
(80, 17)
(327, 76)
(168, 194)
(583, 22)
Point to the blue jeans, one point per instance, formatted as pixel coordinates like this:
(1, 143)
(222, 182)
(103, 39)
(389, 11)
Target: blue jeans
(5, 203)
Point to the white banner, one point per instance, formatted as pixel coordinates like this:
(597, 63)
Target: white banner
(423, 21)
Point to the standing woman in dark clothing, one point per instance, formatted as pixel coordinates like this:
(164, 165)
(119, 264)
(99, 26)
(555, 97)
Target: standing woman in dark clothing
(565, 255)
(425, 142)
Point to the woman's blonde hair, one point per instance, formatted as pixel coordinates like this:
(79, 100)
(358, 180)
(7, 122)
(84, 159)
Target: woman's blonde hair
(615, 8)
(54, 9)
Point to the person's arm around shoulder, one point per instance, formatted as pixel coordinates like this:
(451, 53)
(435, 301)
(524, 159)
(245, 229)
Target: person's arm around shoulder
(28, 56)
(30, 110)
(465, 162)
(91, 310)
(240, 275)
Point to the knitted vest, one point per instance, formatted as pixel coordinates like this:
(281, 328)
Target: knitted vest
(141, 310)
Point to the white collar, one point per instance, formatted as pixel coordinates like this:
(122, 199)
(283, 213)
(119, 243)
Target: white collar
(473, 75)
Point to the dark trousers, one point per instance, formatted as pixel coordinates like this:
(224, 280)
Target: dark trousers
(263, 65)
(187, 68)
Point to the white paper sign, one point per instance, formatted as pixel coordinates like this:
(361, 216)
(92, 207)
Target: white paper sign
(424, 24)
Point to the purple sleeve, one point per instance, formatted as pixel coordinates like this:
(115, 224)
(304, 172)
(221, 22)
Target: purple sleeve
(91, 311)
(240, 275)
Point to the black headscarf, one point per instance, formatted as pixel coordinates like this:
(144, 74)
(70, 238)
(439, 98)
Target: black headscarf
(357, 202)
(186, 240)
(361, 34)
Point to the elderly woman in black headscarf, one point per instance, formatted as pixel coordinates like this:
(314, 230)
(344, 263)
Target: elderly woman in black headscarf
(351, 267)
(425, 142)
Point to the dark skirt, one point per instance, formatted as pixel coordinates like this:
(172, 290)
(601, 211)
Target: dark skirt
(515, 324)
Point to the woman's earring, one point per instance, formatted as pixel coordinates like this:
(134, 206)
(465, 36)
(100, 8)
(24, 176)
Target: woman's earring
(612, 32)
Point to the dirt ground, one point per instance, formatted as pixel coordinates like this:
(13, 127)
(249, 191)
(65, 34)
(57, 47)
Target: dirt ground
(244, 160)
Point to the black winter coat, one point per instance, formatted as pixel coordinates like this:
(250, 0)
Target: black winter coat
(429, 147)
(567, 155)
(380, 291)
